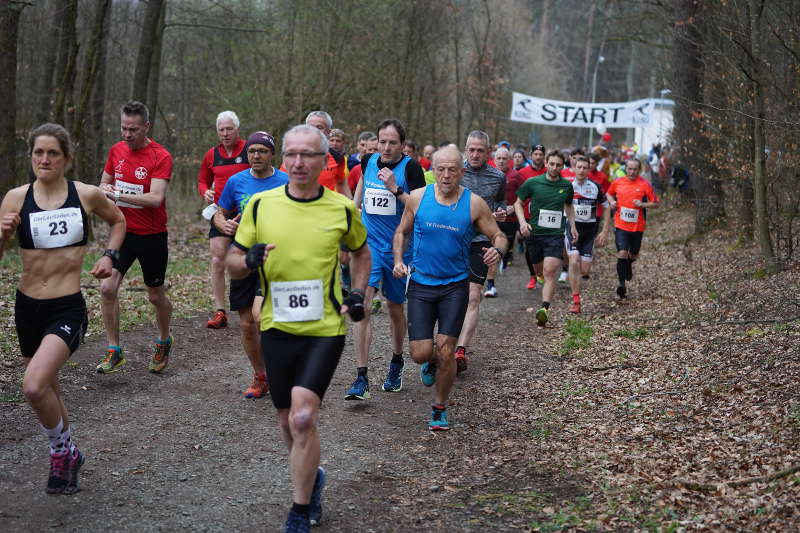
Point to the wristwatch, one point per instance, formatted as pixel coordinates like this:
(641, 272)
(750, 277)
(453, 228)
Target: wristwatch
(398, 191)
(116, 197)
(499, 251)
(113, 254)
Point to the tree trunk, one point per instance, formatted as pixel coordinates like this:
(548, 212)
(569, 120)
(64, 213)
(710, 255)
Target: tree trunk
(759, 142)
(66, 64)
(99, 100)
(9, 26)
(144, 59)
(91, 68)
(694, 146)
(155, 66)
(44, 101)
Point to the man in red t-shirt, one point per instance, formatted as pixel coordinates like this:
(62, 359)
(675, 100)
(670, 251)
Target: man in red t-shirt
(135, 177)
(220, 163)
(629, 197)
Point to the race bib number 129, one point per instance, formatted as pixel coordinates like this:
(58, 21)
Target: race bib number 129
(297, 301)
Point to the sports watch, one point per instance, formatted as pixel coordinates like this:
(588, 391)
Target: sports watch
(113, 254)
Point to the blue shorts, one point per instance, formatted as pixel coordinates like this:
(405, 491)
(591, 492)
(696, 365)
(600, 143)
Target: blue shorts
(380, 277)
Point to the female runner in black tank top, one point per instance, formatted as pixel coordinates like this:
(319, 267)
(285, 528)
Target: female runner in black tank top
(50, 217)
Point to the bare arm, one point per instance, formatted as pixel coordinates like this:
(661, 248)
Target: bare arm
(603, 236)
(225, 224)
(342, 188)
(400, 239)
(9, 215)
(570, 211)
(484, 221)
(358, 195)
(524, 227)
(109, 212)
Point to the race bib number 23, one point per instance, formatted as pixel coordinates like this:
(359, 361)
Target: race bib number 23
(297, 301)
(56, 228)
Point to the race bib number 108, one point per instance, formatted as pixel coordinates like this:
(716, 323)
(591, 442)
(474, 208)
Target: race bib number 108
(297, 301)
(629, 215)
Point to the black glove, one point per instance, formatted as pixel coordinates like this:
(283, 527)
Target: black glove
(255, 256)
(355, 304)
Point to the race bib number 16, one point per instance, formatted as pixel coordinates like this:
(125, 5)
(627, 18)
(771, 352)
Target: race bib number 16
(297, 301)
(549, 219)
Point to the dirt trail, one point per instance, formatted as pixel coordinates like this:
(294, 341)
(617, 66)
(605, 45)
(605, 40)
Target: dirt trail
(183, 451)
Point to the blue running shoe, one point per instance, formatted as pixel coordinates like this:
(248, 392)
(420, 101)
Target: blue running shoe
(296, 523)
(359, 390)
(438, 420)
(315, 505)
(394, 379)
(427, 373)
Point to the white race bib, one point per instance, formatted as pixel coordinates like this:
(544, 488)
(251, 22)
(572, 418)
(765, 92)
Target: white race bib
(549, 219)
(56, 228)
(128, 188)
(297, 301)
(583, 212)
(629, 215)
(379, 201)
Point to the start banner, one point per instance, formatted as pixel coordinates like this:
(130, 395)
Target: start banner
(526, 108)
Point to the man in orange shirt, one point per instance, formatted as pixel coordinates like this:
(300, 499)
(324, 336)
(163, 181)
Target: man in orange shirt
(630, 197)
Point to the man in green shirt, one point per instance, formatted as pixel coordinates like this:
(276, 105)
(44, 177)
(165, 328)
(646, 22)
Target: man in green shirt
(551, 197)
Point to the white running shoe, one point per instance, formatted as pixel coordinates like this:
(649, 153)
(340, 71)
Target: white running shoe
(562, 278)
(491, 292)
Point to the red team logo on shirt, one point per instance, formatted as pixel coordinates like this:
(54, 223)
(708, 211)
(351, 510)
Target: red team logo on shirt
(141, 173)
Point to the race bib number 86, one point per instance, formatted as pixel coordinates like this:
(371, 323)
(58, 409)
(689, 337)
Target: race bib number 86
(297, 301)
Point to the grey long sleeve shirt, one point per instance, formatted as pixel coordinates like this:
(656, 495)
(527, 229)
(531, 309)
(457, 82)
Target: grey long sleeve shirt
(490, 184)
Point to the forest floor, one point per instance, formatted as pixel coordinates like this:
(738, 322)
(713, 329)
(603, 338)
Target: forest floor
(676, 410)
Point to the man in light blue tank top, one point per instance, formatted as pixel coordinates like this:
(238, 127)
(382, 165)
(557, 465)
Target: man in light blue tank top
(388, 178)
(444, 217)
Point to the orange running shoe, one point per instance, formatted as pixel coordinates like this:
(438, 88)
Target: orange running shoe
(219, 320)
(258, 388)
(531, 283)
(461, 359)
(575, 308)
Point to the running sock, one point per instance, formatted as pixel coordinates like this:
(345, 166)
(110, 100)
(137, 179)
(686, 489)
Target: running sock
(397, 358)
(622, 271)
(362, 371)
(489, 283)
(629, 270)
(439, 406)
(546, 305)
(301, 509)
(221, 309)
(66, 436)
(56, 436)
(115, 347)
(164, 341)
(576, 298)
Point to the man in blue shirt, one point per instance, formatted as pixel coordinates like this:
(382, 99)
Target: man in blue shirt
(245, 294)
(444, 218)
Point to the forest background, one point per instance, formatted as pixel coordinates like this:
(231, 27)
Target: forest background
(443, 67)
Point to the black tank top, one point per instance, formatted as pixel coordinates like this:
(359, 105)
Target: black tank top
(54, 228)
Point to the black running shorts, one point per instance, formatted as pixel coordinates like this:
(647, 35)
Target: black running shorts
(214, 232)
(64, 317)
(630, 241)
(244, 291)
(152, 253)
(585, 243)
(478, 270)
(537, 247)
(298, 361)
(429, 304)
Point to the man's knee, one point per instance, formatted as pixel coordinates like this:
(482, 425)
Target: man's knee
(157, 296)
(421, 351)
(301, 421)
(109, 289)
(217, 261)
